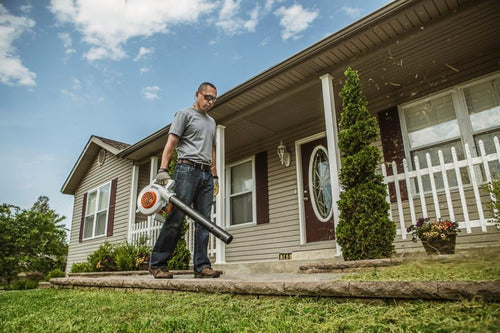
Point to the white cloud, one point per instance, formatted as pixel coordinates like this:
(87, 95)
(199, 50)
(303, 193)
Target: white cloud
(77, 85)
(26, 9)
(151, 92)
(74, 92)
(294, 20)
(12, 71)
(265, 41)
(144, 70)
(351, 11)
(67, 42)
(142, 52)
(107, 25)
(268, 5)
(231, 23)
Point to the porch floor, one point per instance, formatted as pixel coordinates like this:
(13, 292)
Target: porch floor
(313, 279)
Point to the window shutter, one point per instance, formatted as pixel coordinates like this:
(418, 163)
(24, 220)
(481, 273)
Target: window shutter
(262, 188)
(112, 202)
(84, 211)
(392, 146)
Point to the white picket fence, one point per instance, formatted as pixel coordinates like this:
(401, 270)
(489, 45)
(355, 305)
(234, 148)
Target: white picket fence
(150, 229)
(471, 213)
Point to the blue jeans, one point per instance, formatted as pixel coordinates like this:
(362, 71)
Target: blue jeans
(193, 187)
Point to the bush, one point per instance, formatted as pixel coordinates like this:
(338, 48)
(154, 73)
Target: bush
(364, 230)
(56, 273)
(103, 259)
(125, 255)
(34, 276)
(81, 267)
(494, 189)
(181, 256)
(22, 284)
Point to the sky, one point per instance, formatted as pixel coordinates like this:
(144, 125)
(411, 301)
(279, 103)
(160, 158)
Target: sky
(120, 69)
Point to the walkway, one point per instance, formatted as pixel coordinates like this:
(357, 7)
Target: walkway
(304, 282)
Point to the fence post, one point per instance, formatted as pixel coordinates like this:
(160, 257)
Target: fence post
(449, 202)
(465, 210)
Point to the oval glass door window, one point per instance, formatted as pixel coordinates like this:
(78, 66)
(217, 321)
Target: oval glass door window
(320, 187)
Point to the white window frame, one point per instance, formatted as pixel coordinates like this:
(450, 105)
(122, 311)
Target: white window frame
(97, 189)
(462, 114)
(230, 195)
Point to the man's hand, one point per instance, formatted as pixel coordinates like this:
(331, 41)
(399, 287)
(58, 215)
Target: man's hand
(216, 186)
(162, 177)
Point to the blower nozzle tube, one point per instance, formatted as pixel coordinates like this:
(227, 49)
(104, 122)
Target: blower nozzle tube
(204, 222)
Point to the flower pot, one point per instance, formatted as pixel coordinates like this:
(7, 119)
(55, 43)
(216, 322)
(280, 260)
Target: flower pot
(440, 246)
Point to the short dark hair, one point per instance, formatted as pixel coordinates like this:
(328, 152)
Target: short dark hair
(204, 86)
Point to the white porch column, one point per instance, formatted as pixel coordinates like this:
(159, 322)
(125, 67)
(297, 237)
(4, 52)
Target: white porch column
(133, 201)
(333, 147)
(220, 202)
(153, 169)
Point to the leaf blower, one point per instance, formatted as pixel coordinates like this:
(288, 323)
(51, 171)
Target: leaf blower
(154, 197)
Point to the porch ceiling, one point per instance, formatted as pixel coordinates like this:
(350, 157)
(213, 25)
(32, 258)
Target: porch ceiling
(294, 107)
(401, 51)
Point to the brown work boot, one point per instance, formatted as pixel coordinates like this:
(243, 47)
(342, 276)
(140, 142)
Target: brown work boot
(160, 273)
(207, 273)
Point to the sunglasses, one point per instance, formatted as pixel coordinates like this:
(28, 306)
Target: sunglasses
(209, 98)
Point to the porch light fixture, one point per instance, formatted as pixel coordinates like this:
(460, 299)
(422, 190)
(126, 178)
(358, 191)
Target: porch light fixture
(283, 154)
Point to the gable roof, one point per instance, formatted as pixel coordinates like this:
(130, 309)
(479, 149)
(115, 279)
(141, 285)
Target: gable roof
(88, 155)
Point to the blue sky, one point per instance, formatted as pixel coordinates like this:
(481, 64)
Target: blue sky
(121, 69)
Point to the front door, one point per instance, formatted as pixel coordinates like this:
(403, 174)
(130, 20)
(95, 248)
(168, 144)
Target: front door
(317, 191)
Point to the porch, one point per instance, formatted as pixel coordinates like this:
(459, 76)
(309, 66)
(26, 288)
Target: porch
(454, 191)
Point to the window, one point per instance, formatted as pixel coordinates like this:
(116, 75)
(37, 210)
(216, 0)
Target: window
(241, 193)
(96, 213)
(465, 114)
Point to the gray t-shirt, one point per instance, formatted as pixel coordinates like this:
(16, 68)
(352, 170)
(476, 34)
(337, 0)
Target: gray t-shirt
(196, 132)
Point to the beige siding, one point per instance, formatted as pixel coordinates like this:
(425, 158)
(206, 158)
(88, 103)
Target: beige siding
(282, 234)
(97, 175)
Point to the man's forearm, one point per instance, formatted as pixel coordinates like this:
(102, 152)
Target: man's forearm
(168, 151)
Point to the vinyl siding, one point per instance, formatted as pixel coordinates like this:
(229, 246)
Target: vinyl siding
(97, 175)
(282, 233)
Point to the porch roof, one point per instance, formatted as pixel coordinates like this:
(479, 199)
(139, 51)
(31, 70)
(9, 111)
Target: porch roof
(409, 44)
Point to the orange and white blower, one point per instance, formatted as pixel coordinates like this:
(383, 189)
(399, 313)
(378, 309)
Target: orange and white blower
(154, 198)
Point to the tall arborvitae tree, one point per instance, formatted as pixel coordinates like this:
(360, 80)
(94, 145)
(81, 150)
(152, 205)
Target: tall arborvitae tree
(364, 230)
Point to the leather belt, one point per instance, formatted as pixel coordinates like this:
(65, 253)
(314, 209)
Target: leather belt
(201, 166)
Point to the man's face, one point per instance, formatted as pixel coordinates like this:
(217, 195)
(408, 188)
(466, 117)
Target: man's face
(205, 99)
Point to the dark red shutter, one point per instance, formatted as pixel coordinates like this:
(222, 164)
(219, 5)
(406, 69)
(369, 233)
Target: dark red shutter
(392, 146)
(82, 222)
(112, 202)
(262, 188)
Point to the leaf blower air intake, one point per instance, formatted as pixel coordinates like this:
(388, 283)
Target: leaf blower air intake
(154, 197)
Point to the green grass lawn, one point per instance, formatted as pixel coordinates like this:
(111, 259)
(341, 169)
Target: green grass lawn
(483, 265)
(53, 310)
(65, 310)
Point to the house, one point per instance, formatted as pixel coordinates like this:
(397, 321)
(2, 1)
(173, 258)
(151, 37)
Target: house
(430, 71)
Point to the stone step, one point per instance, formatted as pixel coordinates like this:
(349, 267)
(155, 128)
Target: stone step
(321, 285)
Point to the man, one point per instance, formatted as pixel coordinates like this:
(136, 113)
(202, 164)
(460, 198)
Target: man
(193, 134)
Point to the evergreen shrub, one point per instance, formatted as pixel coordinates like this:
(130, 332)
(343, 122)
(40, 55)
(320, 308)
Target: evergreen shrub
(364, 230)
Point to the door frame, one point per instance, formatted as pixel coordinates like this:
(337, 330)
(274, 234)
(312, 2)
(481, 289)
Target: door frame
(300, 183)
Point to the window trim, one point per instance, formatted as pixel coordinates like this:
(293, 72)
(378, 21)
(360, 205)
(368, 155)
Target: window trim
(462, 115)
(230, 195)
(96, 189)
